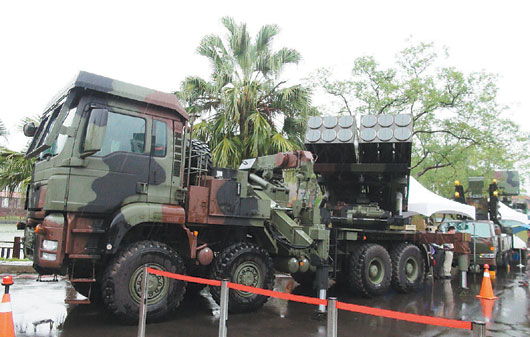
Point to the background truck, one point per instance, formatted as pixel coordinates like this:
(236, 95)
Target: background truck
(119, 183)
(485, 241)
(493, 244)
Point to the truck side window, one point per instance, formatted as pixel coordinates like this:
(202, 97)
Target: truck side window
(159, 142)
(124, 133)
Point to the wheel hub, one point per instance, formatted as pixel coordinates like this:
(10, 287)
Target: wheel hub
(157, 286)
(411, 269)
(376, 271)
(248, 273)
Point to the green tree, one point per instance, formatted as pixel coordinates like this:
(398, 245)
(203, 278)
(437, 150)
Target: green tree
(15, 168)
(245, 109)
(459, 128)
(3, 130)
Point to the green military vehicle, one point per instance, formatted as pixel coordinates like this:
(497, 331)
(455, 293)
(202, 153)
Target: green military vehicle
(119, 184)
(491, 242)
(488, 245)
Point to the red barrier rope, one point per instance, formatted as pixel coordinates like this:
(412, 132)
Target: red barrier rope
(450, 323)
(186, 278)
(284, 296)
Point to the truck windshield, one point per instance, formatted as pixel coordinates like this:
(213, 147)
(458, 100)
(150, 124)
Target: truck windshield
(59, 142)
(42, 142)
(478, 229)
(43, 131)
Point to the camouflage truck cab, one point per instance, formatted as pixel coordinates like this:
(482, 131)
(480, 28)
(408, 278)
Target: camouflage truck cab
(103, 161)
(118, 184)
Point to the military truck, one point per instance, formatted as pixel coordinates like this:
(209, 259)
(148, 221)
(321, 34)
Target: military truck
(119, 183)
(491, 243)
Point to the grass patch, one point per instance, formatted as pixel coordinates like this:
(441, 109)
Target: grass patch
(12, 260)
(11, 218)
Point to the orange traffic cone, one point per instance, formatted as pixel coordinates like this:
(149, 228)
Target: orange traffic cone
(486, 291)
(487, 308)
(7, 328)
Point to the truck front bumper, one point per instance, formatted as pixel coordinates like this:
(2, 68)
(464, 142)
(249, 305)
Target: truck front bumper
(45, 243)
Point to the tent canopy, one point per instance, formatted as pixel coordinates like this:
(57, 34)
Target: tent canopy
(518, 243)
(507, 213)
(424, 202)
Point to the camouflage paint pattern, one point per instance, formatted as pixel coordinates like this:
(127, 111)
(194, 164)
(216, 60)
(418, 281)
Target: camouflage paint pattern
(508, 182)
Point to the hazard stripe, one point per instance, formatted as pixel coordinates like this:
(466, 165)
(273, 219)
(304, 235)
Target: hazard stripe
(5, 307)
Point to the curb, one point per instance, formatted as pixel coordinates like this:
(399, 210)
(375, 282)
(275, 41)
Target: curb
(17, 268)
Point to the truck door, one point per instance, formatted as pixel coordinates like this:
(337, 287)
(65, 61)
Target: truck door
(118, 173)
(161, 165)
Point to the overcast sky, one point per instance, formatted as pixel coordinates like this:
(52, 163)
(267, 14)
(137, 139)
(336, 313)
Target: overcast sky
(153, 44)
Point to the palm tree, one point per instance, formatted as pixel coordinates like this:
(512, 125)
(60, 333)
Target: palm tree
(15, 168)
(3, 130)
(245, 110)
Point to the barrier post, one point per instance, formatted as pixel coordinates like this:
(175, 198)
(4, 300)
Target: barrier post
(463, 266)
(16, 248)
(143, 305)
(332, 317)
(223, 313)
(478, 328)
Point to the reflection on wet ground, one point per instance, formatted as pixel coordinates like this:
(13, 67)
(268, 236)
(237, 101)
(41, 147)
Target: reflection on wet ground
(39, 310)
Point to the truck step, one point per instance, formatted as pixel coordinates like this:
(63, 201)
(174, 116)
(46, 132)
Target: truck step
(83, 280)
(84, 256)
(76, 301)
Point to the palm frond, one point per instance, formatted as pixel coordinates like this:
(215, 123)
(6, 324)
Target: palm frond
(265, 36)
(3, 130)
(15, 170)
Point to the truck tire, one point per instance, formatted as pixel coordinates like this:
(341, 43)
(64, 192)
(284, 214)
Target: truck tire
(122, 279)
(370, 270)
(408, 267)
(243, 263)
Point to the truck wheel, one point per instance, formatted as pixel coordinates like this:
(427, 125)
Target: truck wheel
(122, 281)
(408, 267)
(370, 270)
(247, 264)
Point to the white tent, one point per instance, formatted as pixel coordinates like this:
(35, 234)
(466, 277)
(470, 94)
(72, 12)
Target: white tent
(518, 243)
(507, 213)
(424, 202)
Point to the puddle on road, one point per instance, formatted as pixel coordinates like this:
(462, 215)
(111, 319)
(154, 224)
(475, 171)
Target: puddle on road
(38, 308)
(43, 304)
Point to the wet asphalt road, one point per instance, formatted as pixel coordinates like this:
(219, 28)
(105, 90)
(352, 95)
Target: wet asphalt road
(39, 306)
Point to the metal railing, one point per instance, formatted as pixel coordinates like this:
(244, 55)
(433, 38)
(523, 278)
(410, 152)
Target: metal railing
(11, 249)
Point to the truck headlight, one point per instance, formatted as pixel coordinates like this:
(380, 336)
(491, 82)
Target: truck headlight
(49, 245)
(48, 256)
(487, 256)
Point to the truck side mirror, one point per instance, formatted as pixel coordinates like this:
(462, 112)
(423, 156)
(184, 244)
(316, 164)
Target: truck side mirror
(95, 132)
(29, 129)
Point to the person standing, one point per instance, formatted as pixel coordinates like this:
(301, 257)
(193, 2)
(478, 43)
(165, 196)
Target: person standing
(448, 258)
